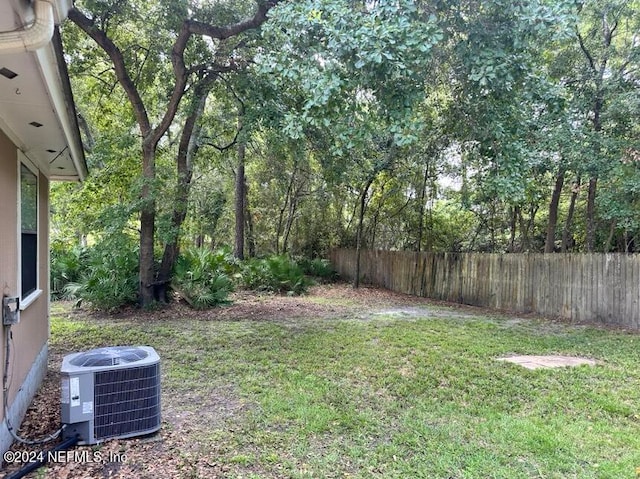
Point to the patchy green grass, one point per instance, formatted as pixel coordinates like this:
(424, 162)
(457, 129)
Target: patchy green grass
(390, 396)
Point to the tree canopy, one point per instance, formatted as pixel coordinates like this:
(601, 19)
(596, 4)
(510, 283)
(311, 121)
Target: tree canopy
(296, 127)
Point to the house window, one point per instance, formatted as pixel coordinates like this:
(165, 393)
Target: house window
(28, 230)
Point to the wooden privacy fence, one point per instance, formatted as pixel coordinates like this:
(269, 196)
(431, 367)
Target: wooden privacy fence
(580, 287)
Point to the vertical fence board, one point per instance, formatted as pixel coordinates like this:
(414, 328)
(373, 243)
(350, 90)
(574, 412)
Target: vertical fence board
(631, 282)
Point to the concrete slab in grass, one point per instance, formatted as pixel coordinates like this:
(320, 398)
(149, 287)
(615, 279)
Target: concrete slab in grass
(540, 362)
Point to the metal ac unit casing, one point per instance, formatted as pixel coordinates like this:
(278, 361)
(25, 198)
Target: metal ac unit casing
(110, 393)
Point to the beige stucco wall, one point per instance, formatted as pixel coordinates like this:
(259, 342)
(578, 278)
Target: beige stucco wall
(8, 235)
(30, 335)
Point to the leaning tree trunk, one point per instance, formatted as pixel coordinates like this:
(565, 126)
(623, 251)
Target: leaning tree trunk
(187, 149)
(553, 212)
(293, 211)
(288, 197)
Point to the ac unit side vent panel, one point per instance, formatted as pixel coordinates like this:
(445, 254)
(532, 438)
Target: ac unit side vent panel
(127, 401)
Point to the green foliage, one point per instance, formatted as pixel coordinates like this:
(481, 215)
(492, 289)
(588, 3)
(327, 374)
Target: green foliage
(318, 268)
(204, 277)
(66, 267)
(463, 113)
(278, 274)
(352, 66)
(451, 228)
(109, 279)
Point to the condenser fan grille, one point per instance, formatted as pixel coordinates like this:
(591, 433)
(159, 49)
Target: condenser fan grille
(127, 401)
(111, 356)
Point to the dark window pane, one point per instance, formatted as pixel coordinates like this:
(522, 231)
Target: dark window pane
(29, 263)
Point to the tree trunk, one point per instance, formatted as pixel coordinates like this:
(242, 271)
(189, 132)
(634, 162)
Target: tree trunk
(591, 215)
(423, 196)
(281, 223)
(593, 181)
(569, 221)
(251, 240)
(533, 211)
(553, 212)
(363, 204)
(147, 227)
(628, 242)
(375, 217)
(492, 226)
(513, 228)
(287, 229)
(524, 232)
(293, 206)
(599, 70)
(612, 230)
(238, 250)
(187, 149)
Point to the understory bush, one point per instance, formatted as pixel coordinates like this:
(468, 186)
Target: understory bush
(109, 277)
(204, 278)
(66, 267)
(318, 268)
(279, 274)
(105, 275)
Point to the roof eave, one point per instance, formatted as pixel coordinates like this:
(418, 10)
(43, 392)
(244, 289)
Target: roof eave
(69, 117)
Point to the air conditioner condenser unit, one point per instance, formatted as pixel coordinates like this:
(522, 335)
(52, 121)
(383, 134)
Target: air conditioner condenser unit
(111, 392)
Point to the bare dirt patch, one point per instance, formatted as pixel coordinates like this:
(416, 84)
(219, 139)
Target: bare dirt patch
(548, 362)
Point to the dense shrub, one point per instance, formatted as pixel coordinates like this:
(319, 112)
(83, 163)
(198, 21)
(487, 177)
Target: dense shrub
(318, 268)
(109, 279)
(278, 274)
(105, 275)
(204, 277)
(66, 267)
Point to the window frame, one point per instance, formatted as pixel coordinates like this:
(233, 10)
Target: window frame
(27, 300)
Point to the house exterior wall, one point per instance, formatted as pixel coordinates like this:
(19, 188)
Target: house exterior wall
(8, 235)
(28, 345)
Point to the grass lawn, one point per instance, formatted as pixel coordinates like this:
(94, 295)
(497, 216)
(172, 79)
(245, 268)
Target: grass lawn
(366, 386)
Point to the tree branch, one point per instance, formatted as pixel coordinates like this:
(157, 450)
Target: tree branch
(222, 33)
(87, 25)
(225, 147)
(190, 27)
(151, 136)
(586, 52)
